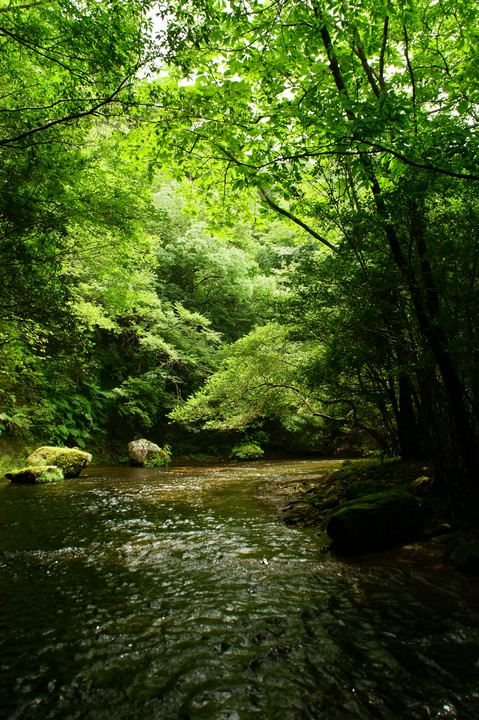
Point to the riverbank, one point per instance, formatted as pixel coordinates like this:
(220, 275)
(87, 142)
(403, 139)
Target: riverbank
(308, 502)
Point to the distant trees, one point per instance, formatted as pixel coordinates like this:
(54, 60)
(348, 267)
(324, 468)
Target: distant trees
(132, 310)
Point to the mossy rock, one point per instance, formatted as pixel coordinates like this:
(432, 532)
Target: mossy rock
(143, 453)
(71, 460)
(376, 521)
(35, 474)
(463, 555)
(359, 488)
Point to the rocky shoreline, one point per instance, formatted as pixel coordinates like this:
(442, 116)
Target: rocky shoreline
(310, 502)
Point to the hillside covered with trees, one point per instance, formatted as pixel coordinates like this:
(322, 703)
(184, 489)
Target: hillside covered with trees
(241, 221)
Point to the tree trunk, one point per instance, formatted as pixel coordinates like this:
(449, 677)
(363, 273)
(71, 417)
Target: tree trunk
(410, 436)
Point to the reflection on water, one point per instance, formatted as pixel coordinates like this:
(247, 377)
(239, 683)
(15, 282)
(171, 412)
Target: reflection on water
(132, 593)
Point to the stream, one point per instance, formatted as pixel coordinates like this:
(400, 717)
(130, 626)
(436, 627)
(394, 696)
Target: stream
(141, 594)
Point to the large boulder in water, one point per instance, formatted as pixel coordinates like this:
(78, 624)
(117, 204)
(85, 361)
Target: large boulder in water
(35, 474)
(143, 452)
(70, 460)
(376, 521)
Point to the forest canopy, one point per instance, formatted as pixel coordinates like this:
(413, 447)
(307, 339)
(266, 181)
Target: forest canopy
(253, 216)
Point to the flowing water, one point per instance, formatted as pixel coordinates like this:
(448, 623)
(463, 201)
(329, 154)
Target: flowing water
(146, 594)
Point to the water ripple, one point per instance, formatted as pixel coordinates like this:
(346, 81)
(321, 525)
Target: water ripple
(133, 594)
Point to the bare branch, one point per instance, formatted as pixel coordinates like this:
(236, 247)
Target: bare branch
(382, 53)
(359, 50)
(421, 165)
(264, 195)
(305, 401)
(411, 75)
(10, 8)
(67, 118)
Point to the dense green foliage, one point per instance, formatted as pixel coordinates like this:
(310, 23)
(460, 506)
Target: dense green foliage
(112, 301)
(359, 123)
(147, 294)
(145, 277)
(64, 65)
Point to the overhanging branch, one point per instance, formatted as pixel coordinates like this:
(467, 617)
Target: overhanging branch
(281, 211)
(305, 401)
(67, 118)
(10, 8)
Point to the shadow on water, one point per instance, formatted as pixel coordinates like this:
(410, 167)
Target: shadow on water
(136, 593)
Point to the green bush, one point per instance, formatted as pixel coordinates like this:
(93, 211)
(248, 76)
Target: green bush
(247, 451)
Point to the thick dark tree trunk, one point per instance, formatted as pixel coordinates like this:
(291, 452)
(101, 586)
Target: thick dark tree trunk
(410, 436)
(435, 339)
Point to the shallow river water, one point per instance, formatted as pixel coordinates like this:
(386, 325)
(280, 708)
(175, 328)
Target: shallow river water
(174, 595)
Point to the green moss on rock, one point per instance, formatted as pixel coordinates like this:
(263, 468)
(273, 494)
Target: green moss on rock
(375, 521)
(359, 488)
(33, 475)
(463, 555)
(143, 453)
(70, 460)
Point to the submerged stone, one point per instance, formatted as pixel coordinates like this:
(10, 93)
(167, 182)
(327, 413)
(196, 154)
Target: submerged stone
(35, 474)
(375, 521)
(463, 555)
(70, 460)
